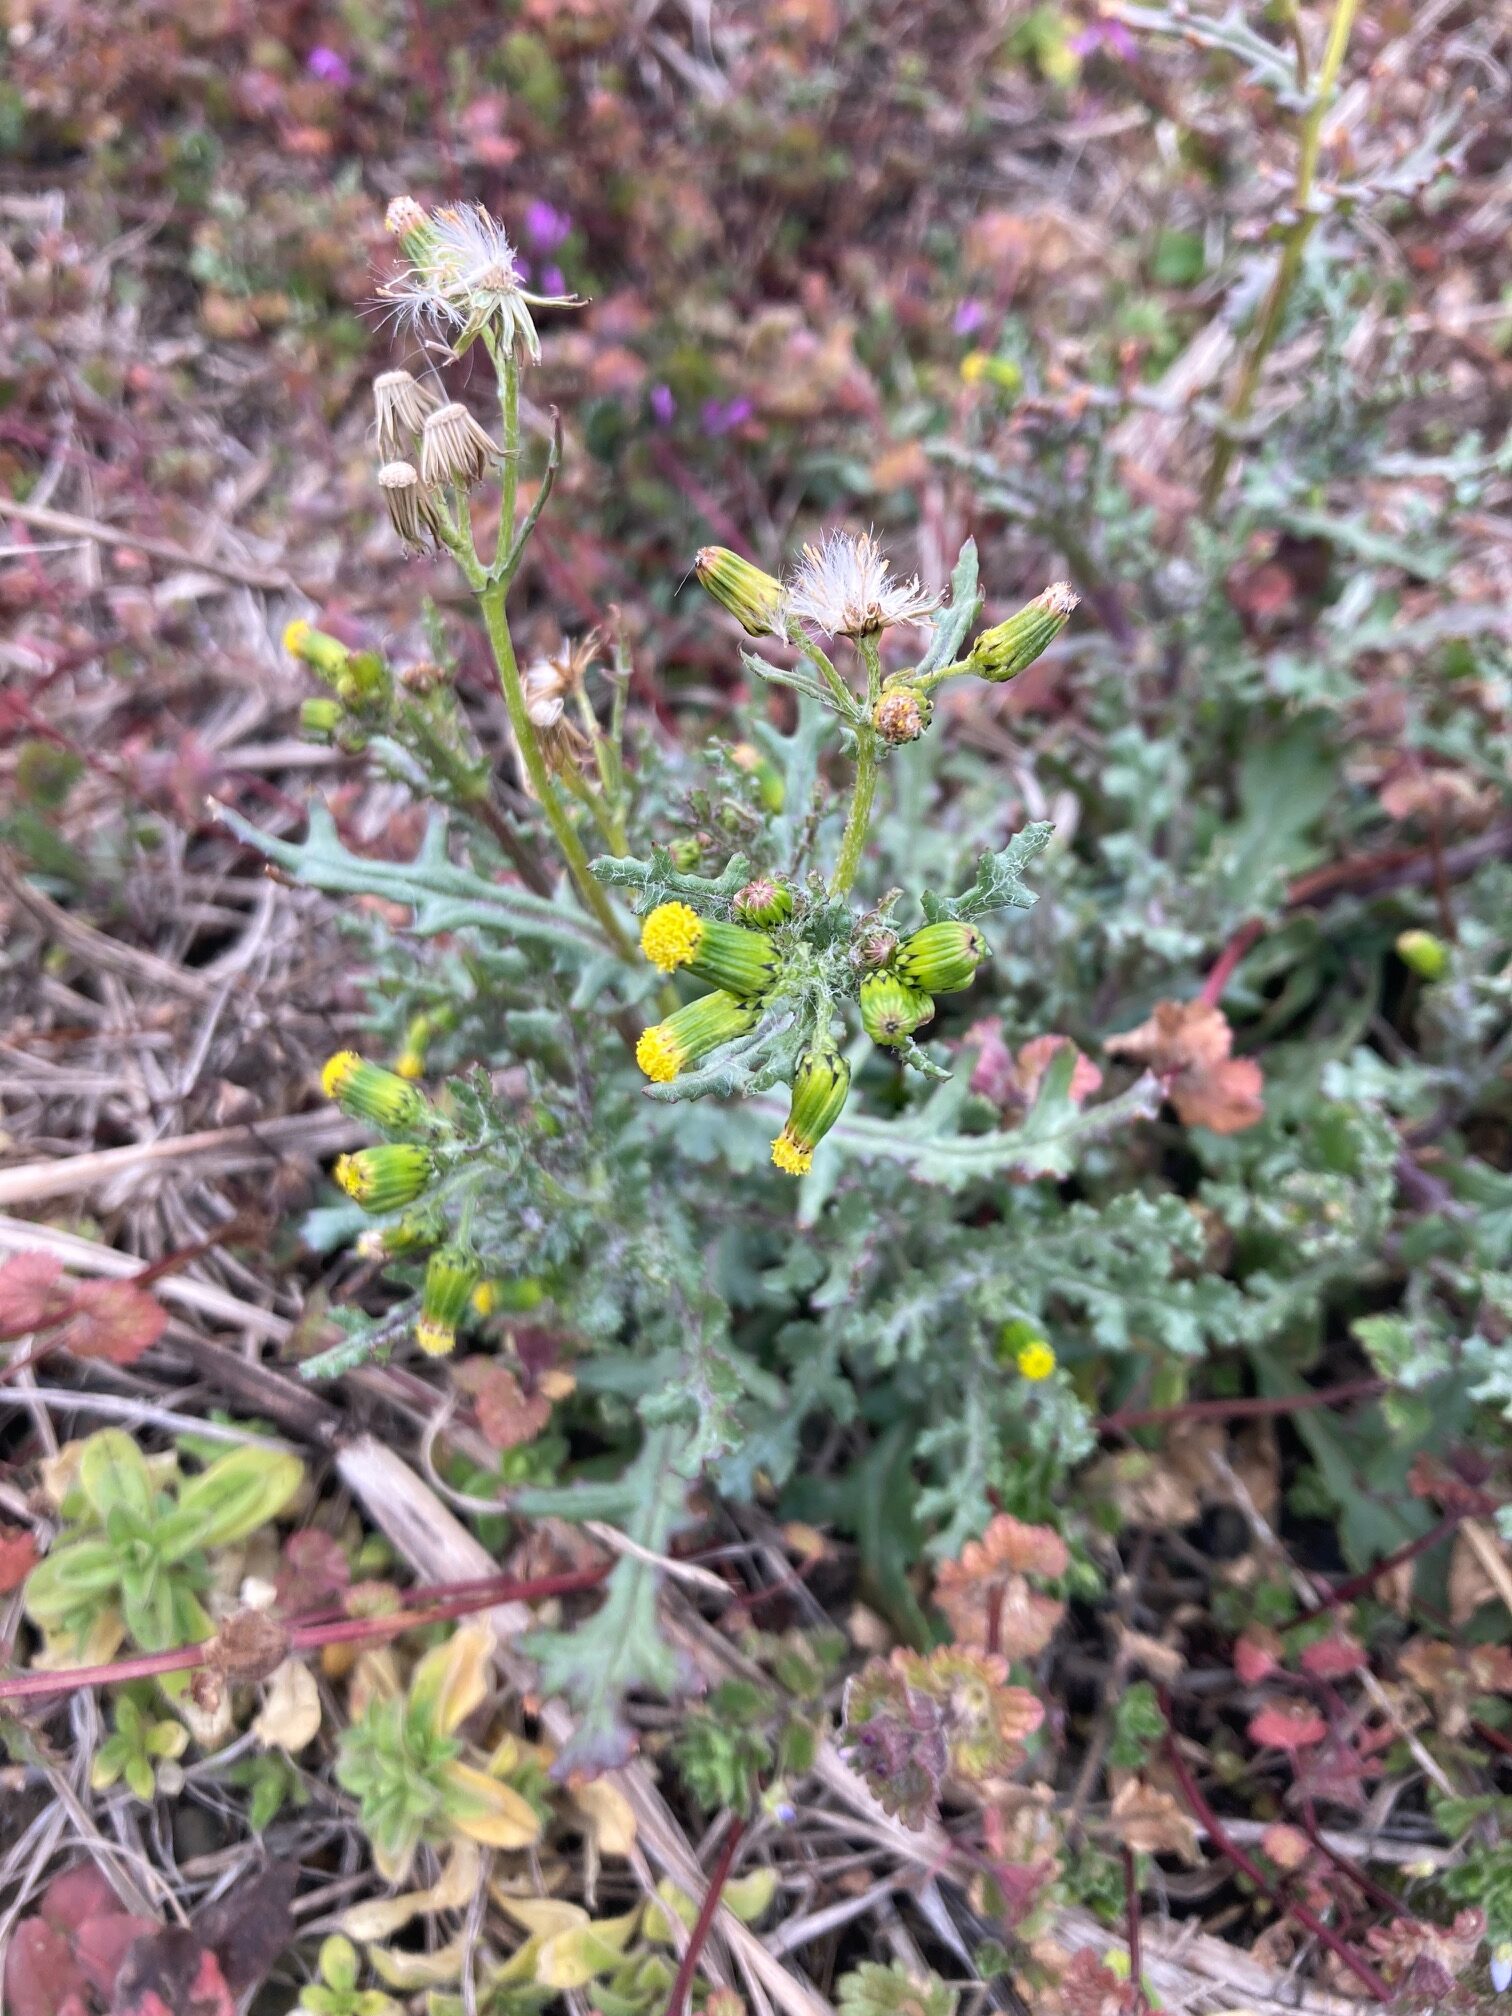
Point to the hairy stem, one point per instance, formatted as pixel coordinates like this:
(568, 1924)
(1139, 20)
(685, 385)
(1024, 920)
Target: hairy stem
(491, 599)
(1273, 313)
(858, 819)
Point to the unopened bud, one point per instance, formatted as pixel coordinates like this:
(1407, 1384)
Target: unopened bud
(1005, 650)
(321, 719)
(451, 1274)
(728, 956)
(686, 854)
(942, 958)
(1427, 956)
(902, 715)
(820, 1087)
(387, 1178)
(667, 1048)
(752, 596)
(891, 1009)
(453, 447)
(323, 653)
(366, 1091)
(874, 948)
(763, 902)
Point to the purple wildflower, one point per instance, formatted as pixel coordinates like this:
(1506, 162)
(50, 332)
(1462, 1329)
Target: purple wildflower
(553, 280)
(1111, 36)
(330, 66)
(722, 416)
(968, 318)
(663, 405)
(546, 228)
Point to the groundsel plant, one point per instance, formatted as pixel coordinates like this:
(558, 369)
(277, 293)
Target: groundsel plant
(580, 989)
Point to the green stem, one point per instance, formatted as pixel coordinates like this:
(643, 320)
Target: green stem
(1289, 265)
(491, 598)
(858, 819)
(507, 371)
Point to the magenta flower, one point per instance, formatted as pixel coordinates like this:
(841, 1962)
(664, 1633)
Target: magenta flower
(663, 405)
(722, 416)
(1111, 36)
(546, 228)
(330, 66)
(968, 318)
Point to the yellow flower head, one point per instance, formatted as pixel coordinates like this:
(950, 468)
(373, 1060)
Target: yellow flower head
(337, 1072)
(485, 1298)
(658, 1054)
(1035, 1360)
(409, 1064)
(435, 1339)
(671, 935)
(295, 636)
(789, 1157)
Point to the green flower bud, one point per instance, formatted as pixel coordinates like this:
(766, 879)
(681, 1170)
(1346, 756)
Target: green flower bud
(387, 1178)
(763, 902)
(753, 598)
(942, 958)
(686, 854)
(363, 682)
(321, 719)
(891, 1009)
(451, 1274)
(1426, 955)
(693, 1032)
(1004, 651)
(820, 1086)
(323, 653)
(728, 956)
(366, 1091)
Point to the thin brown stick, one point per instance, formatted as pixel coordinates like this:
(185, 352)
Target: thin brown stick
(48, 520)
(1258, 1409)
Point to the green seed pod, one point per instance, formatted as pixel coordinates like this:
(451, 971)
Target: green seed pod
(366, 1091)
(942, 958)
(753, 597)
(820, 1086)
(451, 1274)
(1427, 956)
(1005, 650)
(387, 1178)
(891, 1009)
(693, 1032)
(763, 902)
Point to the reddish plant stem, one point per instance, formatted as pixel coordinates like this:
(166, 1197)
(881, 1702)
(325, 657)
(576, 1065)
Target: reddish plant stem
(687, 1967)
(1131, 1908)
(1200, 1810)
(1366, 1884)
(432, 1604)
(1241, 1410)
(995, 1618)
(1228, 959)
(1357, 1585)
(1494, 1737)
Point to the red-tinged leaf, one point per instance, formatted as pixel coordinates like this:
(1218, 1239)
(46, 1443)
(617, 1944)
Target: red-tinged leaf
(76, 1896)
(30, 1297)
(40, 1973)
(101, 1944)
(18, 1557)
(507, 1415)
(169, 1973)
(1257, 1655)
(114, 1320)
(1288, 1847)
(1287, 1725)
(1331, 1658)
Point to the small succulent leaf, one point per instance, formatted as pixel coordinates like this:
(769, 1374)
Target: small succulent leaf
(451, 1681)
(114, 1477)
(484, 1810)
(238, 1493)
(77, 1574)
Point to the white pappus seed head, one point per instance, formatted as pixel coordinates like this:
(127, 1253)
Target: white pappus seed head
(463, 278)
(411, 510)
(453, 447)
(402, 405)
(842, 587)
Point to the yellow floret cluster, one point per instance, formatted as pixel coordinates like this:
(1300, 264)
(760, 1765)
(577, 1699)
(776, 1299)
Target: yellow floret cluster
(1036, 1360)
(658, 1055)
(790, 1158)
(671, 935)
(435, 1339)
(337, 1070)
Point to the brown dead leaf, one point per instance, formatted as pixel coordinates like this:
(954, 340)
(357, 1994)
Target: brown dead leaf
(1480, 1572)
(1187, 1045)
(113, 1320)
(1151, 1823)
(986, 1594)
